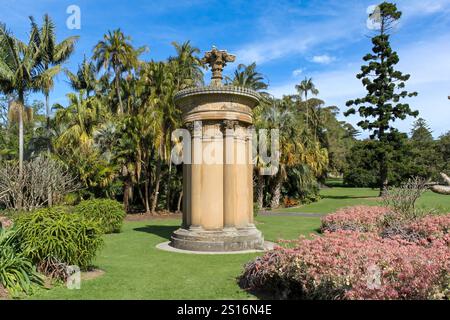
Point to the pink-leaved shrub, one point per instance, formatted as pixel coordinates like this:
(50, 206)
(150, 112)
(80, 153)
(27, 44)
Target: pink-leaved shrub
(351, 265)
(431, 229)
(357, 218)
(381, 220)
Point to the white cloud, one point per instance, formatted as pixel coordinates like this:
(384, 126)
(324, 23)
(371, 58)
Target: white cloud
(262, 52)
(412, 8)
(301, 36)
(323, 59)
(426, 62)
(297, 72)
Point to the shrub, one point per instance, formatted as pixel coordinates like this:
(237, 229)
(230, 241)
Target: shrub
(402, 200)
(109, 214)
(29, 190)
(389, 225)
(351, 265)
(17, 273)
(55, 234)
(290, 202)
(357, 218)
(431, 229)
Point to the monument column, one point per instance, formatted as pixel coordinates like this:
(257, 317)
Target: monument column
(195, 180)
(218, 184)
(229, 175)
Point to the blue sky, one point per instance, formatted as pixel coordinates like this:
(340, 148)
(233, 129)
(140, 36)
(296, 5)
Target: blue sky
(289, 40)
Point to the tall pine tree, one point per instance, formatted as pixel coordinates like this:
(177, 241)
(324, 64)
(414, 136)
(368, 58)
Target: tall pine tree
(385, 88)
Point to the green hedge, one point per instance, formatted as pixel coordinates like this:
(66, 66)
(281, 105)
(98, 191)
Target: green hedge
(55, 234)
(109, 214)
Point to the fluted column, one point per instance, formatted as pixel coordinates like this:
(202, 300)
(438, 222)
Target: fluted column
(249, 146)
(212, 176)
(196, 176)
(242, 190)
(229, 175)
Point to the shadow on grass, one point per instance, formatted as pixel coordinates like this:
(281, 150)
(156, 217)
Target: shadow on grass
(160, 231)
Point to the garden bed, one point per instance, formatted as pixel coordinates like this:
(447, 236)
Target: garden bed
(364, 253)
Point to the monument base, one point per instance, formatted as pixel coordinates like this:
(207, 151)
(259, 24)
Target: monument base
(228, 239)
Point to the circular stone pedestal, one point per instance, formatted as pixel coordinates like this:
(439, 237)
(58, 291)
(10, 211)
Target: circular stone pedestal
(227, 239)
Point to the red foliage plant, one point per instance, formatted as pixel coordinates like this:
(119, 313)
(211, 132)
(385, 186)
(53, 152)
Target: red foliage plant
(430, 229)
(357, 218)
(351, 265)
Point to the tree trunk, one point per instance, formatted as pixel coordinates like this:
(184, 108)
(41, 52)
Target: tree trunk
(275, 202)
(119, 96)
(156, 192)
(21, 106)
(442, 189)
(168, 195)
(383, 174)
(146, 196)
(47, 114)
(127, 196)
(141, 195)
(260, 190)
(445, 190)
(21, 143)
(180, 197)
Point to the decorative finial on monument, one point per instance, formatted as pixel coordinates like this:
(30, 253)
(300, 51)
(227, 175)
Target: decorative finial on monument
(217, 60)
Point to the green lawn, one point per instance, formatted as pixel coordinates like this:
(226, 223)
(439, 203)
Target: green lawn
(339, 197)
(135, 269)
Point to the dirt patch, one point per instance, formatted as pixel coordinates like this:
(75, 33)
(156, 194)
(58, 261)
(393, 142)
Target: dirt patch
(150, 216)
(92, 274)
(4, 294)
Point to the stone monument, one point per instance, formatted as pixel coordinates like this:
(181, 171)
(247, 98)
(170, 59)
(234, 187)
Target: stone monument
(218, 182)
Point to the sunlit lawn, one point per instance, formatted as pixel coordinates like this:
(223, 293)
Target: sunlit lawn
(135, 269)
(339, 197)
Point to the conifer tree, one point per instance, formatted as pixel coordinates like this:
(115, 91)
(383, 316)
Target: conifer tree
(385, 89)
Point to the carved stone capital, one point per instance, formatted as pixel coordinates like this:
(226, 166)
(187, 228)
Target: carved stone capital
(217, 60)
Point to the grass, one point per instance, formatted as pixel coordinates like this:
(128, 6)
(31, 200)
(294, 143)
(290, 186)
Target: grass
(340, 197)
(135, 269)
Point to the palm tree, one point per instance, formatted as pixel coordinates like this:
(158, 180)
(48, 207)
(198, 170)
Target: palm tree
(77, 121)
(51, 53)
(248, 77)
(276, 118)
(21, 71)
(305, 87)
(160, 80)
(85, 78)
(187, 67)
(117, 53)
(298, 151)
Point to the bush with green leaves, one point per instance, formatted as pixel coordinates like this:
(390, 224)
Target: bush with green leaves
(55, 234)
(17, 272)
(109, 214)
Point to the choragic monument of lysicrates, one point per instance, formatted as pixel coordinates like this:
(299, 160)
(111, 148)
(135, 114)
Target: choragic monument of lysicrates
(218, 181)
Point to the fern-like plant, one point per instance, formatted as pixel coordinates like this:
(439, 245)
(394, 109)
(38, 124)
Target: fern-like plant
(55, 234)
(109, 214)
(17, 272)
